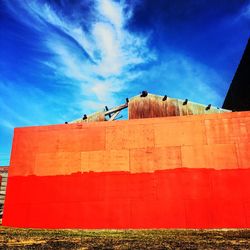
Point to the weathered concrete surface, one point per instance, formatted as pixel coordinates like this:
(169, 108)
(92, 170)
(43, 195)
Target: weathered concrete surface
(219, 141)
(176, 172)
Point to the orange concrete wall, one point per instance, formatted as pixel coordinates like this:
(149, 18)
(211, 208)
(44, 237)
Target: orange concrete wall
(220, 141)
(114, 169)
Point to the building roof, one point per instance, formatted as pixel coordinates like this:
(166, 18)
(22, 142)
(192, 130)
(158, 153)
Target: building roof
(148, 105)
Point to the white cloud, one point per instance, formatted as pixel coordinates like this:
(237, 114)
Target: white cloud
(98, 61)
(111, 12)
(95, 60)
(109, 49)
(182, 77)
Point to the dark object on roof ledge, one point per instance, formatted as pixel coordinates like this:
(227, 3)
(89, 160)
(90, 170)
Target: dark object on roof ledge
(208, 107)
(185, 102)
(164, 98)
(144, 93)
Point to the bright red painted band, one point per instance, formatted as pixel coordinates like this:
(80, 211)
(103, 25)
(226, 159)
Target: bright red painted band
(180, 198)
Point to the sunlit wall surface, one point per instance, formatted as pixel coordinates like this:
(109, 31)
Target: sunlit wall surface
(176, 172)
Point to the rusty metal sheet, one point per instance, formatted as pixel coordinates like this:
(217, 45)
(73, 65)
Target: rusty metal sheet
(94, 117)
(150, 106)
(155, 106)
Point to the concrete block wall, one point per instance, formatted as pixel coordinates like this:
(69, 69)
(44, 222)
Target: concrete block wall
(175, 172)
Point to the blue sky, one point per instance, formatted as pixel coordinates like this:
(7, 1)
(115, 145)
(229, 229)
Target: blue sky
(61, 59)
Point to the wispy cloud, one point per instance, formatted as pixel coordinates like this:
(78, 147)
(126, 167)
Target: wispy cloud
(183, 77)
(95, 58)
(99, 57)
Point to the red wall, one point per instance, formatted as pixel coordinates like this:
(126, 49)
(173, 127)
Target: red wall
(178, 172)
